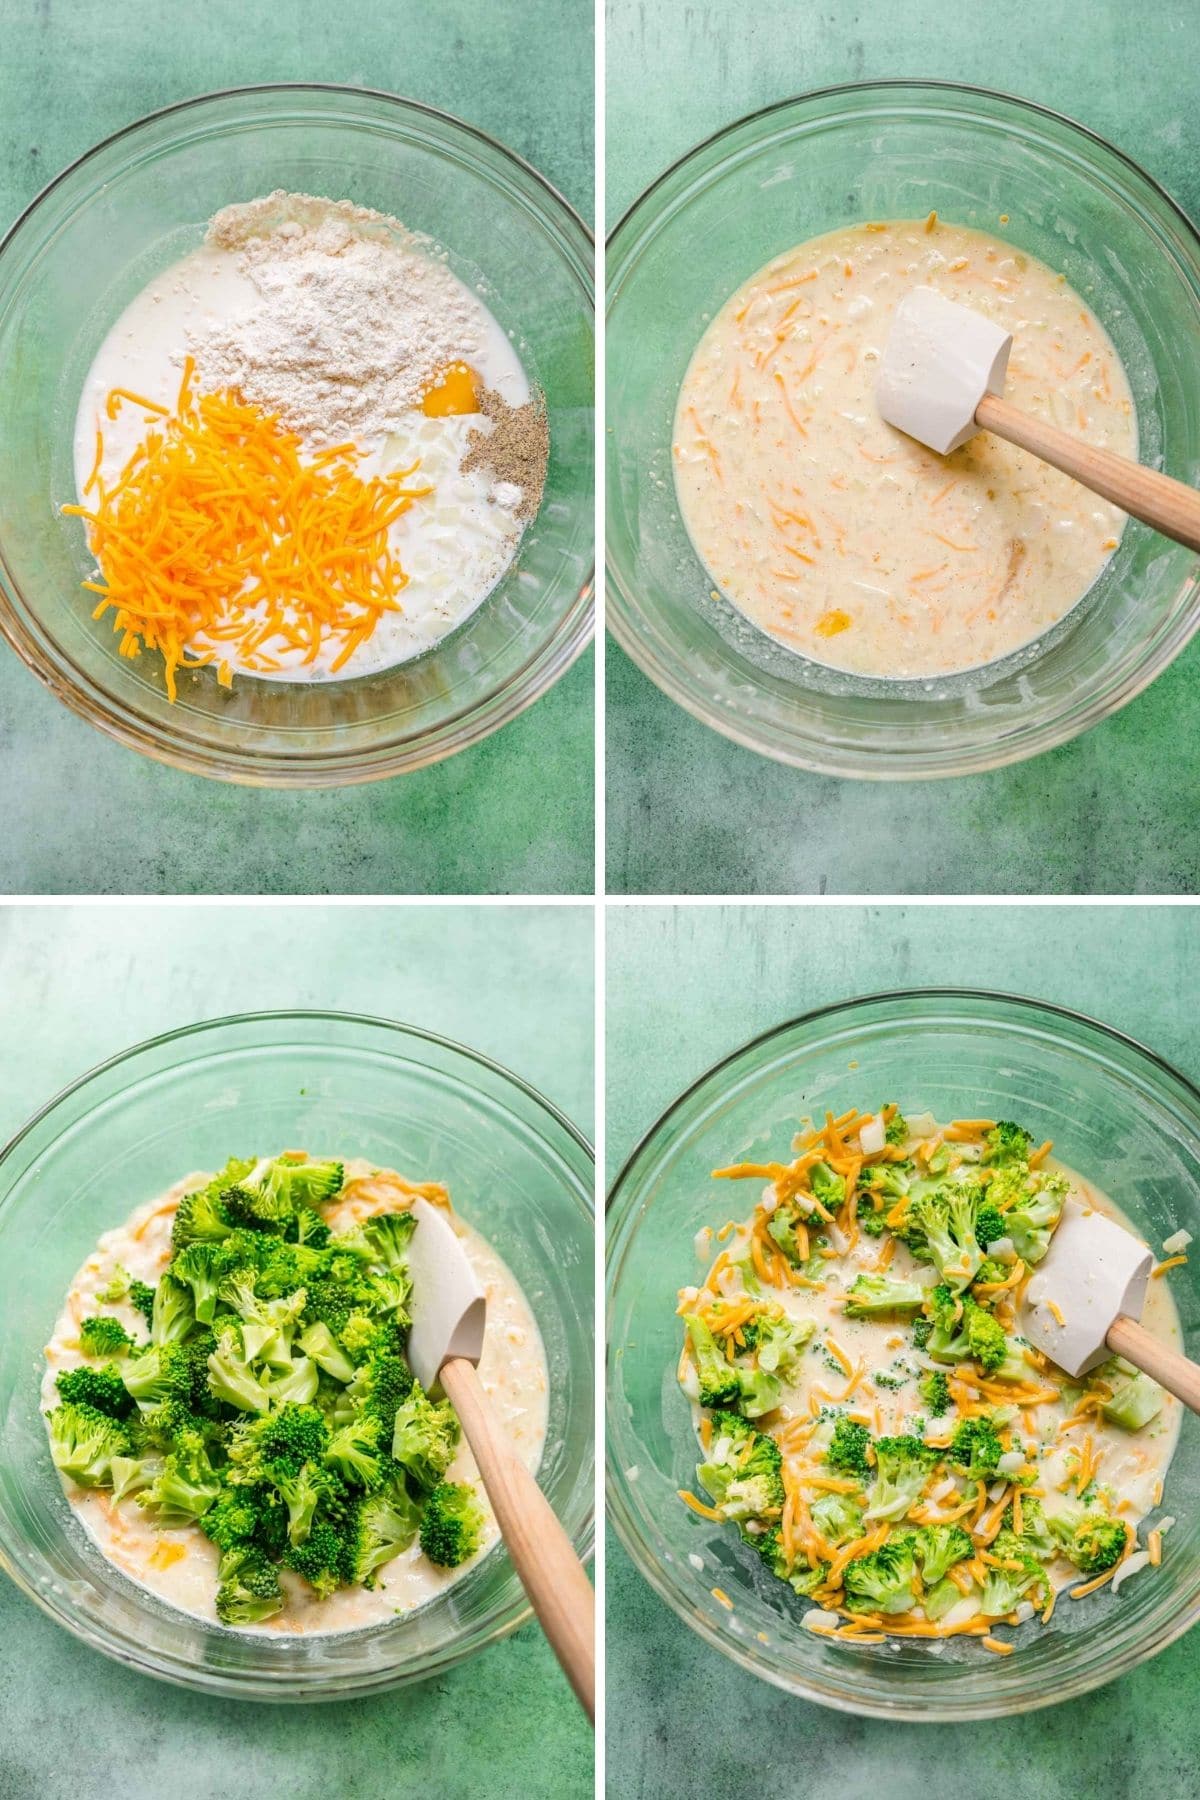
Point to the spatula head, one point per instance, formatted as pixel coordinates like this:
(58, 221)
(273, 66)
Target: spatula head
(448, 1303)
(1094, 1273)
(940, 360)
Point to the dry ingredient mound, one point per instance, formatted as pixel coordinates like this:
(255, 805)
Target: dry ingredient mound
(355, 317)
(515, 450)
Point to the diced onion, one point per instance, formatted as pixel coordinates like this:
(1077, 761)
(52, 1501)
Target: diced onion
(632, 1474)
(688, 1294)
(1164, 1525)
(996, 1489)
(697, 1562)
(1010, 1462)
(872, 1137)
(1003, 1248)
(921, 1125)
(944, 1489)
(1130, 1566)
(770, 1199)
(702, 1242)
(816, 1620)
(1024, 1611)
(925, 1277)
(729, 1280)
(837, 1240)
(1178, 1240)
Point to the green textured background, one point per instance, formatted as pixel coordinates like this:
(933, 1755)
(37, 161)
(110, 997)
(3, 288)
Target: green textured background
(689, 812)
(80, 983)
(717, 976)
(84, 815)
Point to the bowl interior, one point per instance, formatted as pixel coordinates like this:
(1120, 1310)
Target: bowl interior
(1113, 1111)
(125, 213)
(516, 1171)
(894, 150)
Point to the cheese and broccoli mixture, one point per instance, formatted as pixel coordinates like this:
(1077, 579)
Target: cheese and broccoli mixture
(231, 1409)
(873, 1422)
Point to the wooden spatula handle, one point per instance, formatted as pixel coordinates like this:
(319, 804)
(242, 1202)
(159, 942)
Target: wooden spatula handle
(1166, 1366)
(1159, 500)
(552, 1575)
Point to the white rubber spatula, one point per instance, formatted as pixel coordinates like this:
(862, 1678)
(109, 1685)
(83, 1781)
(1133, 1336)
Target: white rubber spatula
(941, 379)
(444, 1346)
(1084, 1303)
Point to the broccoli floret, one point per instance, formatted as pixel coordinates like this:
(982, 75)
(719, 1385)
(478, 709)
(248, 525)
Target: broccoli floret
(100, 1389)
(828, 1188)
(872, 1223)
(319, 1343)
(883, 1581)
(321, 1558)
(1006, 1143)
(1035, 1534)
(1031, 1223)
(989, 1346)
(388, 1235)
(719, 1382)
(989, 1224)
(940, 1228)
(233, 1518)
(896, 1130)
(1018, 1574)
(201, 1216)
(386, 1523)
(424, 1437)
(938, 1548)
(838, 1518)
(779, 1340)
(116, 1287)
(202, 1267)
(935, 1392)
(302, 1184)
(300, 1383)
(381, 1385)
(1091, 1540)
(744, 1476)
(130, 1474)
(848, 1448)
(451, 1524)
(141, 1298)
(183, 1491)
(877, 1294)
(173, 1371)
(354, 1451)
(249, 1588)
(104, 1336)
(231, 1378)
(922, 1331)
(940, 1599)
(172, 1316)
(976, 1447)
(901, 1467)
(302, 1494)
(268, 1326)
(947, 1340)
(84, 1442)
(990, 1270)
(888, 1180)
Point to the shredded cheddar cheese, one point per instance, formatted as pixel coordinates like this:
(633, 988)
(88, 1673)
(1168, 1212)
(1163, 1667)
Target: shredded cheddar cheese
(217, 541)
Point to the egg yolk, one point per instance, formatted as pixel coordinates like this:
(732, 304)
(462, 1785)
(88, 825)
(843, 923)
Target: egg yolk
(456, 390)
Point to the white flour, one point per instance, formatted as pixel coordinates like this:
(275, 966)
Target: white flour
(351, 322)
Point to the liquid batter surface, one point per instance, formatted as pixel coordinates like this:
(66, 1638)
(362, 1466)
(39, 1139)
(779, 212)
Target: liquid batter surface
(850, 543)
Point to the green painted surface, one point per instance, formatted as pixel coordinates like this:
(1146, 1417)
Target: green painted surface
(718, 976)
(84, 815)
(689, 812)
(90, 982)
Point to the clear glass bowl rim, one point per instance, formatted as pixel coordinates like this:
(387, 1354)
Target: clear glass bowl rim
(627, 1531)
(662, 674)
(537, 675)
(506, 1620)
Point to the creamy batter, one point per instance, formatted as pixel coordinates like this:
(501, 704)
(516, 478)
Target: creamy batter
(850, 543)
(180, 1566)
(455, 544)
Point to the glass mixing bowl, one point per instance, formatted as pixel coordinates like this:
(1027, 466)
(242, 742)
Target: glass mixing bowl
(876, 151)
(137, 203)
(1114, 1110)
(517, 1170)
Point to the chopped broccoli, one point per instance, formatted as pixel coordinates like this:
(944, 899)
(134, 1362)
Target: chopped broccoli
(116, 1287)
(249, 1588)
(451, 1524)
(877, 1294)
(381, 1384)
(172, 1316)
(232, 1379)
(278, 1445)
(902, 1465)
(1006, 1143)
(722, 1383)
(744, 1475)
(388, 1234)
(84, 1442)
(1031, 1222)
(848, 1448)
(424, 1437)
(935, 1392)
(940, 1228)
(976, 1447)
(354, 1452)
(141, 1298)
(386, 1523)
(202, 1216)
(896, 1130)
(883, 1582)
(838, 1518)
(940, 1599)
(989, 1224)
(828, 1188)
(104, 1336)
(1091, 1540)
(989, 1345)
(319, 1343)
(201, 1267)
(938, 1548)
(1007, 1584)
(872, 1223)
(778, 1339)
(183, 1491)
(947, 1341)
(100, 1389)
(129, 1474)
